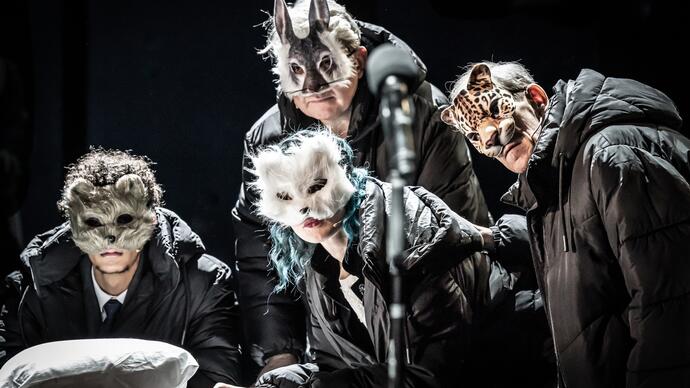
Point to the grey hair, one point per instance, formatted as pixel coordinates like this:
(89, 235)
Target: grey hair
(512, 77)
(341, 23)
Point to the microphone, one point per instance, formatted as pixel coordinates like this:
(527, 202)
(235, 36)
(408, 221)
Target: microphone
(391, 72)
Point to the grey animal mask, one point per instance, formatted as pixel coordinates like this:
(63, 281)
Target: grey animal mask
(313, 63)
(115, 216)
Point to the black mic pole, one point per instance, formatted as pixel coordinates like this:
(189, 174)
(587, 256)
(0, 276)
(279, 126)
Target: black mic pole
(388, 69)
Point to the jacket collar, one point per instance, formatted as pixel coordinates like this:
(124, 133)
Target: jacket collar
(520, 195)
(535, 186)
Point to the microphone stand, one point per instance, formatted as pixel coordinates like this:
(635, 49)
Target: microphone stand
(396, 118)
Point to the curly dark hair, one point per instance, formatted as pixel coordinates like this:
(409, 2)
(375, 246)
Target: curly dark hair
(104, 167)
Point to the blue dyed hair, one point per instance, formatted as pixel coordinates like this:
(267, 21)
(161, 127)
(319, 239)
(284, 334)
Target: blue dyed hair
(289, 254)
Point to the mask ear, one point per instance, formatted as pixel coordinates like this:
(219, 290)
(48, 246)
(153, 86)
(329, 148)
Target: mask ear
(131, 185)
(448, 116)
(281, 19)
(79, 192)
(480, 77)
(319, 16)
(265, 163)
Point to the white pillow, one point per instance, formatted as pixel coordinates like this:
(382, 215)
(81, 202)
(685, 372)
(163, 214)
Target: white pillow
(107, 362)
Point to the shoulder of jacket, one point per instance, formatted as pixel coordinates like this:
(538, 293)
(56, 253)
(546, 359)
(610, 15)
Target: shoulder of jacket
(46, 241)
(423, 105)
(267, 127)
(615, 146)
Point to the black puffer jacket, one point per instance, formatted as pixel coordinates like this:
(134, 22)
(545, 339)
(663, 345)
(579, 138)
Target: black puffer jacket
(178, 295)
(445, 295)
(608, 206)
(443, 167)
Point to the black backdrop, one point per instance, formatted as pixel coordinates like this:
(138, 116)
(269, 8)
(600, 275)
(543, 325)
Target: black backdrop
(180, 81)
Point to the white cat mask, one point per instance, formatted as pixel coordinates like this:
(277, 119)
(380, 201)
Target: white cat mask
(301, 179)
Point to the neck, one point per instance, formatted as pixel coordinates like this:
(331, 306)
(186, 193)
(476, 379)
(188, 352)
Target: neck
(115, 283)
(339, 125)
(336, 245)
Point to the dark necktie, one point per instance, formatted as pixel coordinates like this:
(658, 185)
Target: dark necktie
(111, 308)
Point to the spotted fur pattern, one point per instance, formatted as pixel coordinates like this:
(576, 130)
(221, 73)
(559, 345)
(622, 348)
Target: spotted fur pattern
(480, 99)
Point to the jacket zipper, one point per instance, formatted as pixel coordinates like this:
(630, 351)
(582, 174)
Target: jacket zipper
(564, 232)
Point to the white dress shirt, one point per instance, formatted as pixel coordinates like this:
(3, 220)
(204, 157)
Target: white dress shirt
(103, 297)
(352, 298)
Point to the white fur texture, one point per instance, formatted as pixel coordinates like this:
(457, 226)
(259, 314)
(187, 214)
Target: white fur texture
(292, 172)
(282, 69)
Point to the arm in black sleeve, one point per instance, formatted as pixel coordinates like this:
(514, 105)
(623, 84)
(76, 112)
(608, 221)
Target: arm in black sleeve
(213, 333)
(511, 241)
(273, 322)
(370, 376)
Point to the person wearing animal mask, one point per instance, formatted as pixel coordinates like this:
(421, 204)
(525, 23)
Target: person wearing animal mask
(604, 176)
(319, 53)
(122, 266)
(327, 225)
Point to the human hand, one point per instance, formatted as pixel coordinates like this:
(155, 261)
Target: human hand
(291, 376)
(277, 361)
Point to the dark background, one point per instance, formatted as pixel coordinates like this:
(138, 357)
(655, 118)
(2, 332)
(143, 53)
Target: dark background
(180, 81)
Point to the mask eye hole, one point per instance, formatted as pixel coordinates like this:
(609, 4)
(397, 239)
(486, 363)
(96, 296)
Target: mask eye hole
(284, 196)
(296, 69)
(124, 219)
(318, 185)
(326, 63)
(494, 108)
(93, 222)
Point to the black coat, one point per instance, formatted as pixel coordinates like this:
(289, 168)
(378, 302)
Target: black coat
(448, 289)
(443, 167)
(178, 295)
(608, 205)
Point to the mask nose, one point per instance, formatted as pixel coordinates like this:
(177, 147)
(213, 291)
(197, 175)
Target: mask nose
(304, 210)
(489, 136)
(110, 238)
(492, 140)
(314, 82)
